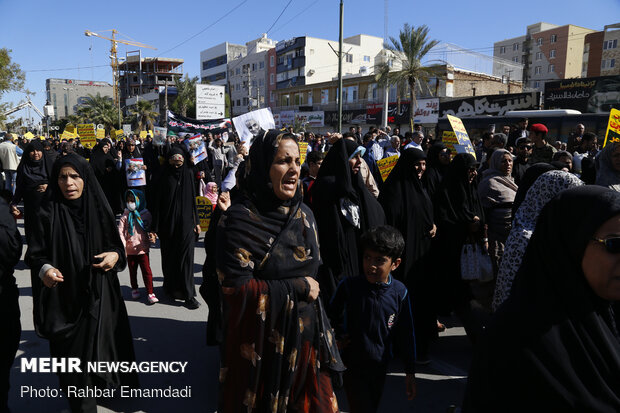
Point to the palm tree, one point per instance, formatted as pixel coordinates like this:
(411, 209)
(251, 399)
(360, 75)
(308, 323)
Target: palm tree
(186, 95)
(409, 50)
(99, 109)
(144, 114)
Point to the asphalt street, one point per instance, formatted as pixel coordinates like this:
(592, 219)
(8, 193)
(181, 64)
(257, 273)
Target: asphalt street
(167, 331)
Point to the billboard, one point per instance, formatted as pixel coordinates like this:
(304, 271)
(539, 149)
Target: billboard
(587, 95)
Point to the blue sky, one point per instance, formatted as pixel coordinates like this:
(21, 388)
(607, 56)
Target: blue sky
(50, 34)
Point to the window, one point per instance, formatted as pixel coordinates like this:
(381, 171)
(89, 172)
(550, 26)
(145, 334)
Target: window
(551, 68)
(286, 100)
(324, 96)
(253, 67)
(366, 58)
(215, 77)
(349, 94)
(515, 59)
(261, 82)
(539, 41)
(348, 57)
(372, 92)
(218, 61)
(538, 55)
(552, 54)
(554, 38)
(610, 44)
(231, 73)
(608, 64)
(537, 70)
(238, 71)
(237, 87)
(310, 98)
(272, 79)
(272, 97)
(299, 52)
(502, 49)
(515, 47)
(272, 61)
(299, 99)
(261, 65)
(612, 63)
(254, 84)
(238, 102)
(280, 59)
(537, 84)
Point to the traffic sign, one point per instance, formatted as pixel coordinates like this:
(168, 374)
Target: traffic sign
(210, 101)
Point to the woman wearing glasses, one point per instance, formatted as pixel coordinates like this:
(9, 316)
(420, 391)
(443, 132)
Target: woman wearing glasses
(554, 344)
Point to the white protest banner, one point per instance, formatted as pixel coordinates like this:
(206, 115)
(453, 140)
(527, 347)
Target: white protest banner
(311, 119)
(250, 124)
(426, 111)
(210, 102)
(134, 169)
(196, 147)
(287, 117)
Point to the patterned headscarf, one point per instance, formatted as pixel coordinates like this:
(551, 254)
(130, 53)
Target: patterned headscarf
(134, 216)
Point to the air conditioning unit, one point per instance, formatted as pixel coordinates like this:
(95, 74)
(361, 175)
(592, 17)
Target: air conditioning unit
(311, 72)
(363, 70)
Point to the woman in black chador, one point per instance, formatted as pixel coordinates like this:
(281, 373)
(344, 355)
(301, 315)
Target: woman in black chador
(175, 220)
(75, 254)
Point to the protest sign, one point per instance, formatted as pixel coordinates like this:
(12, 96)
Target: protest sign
(311, 119)
(250, 124)
(205, 211)
(127, 130)
(159, 136)
(464, 143)
(118, 134)
(28, 135)
(68, 135)
(134, 169)
(303, 150)
(210, 102)
(87, 135)
(178, 124)
(386, 165)
(196, 147)
(100, 133)
(449, 139)
(613, 127)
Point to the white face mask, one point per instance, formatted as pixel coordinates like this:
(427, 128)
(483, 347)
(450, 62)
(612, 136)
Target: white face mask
(131, 206)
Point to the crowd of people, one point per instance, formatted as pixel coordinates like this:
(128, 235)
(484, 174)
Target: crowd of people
(317, 273)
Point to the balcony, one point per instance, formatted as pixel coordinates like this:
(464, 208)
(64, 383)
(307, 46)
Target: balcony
(332, 106)
(295, 63)
(292, 82)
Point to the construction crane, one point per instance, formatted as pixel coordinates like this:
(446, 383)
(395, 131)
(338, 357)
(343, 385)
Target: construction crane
(114, 58)
(26, 104)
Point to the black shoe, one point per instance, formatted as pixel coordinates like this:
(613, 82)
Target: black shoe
(192, 303)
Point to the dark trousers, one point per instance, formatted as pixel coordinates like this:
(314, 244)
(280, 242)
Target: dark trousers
(132, 263)
(364, 387)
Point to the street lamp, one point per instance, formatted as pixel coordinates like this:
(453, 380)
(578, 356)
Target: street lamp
(48, 110)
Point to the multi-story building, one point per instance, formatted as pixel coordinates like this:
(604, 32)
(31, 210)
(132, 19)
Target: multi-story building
(547, 51)
(610, 59)
(66, 95)
(214, 62)
(248, 76)
(148, 78)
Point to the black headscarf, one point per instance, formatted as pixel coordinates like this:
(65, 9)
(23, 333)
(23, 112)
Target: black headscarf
(408, 208)
(529, 177)
(10, 246)
(554, 343)
(339, 238)
(434, 168)
(265, 249)
(30, 173)
(456, 200)
(100, 160)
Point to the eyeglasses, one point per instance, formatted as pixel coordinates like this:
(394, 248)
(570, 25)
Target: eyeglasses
(612, 244)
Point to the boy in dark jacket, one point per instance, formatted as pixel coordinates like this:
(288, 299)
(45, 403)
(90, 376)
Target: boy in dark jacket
(372, 313)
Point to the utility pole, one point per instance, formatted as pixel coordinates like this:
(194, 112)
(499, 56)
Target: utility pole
(509, 72)
(386, 88)
(249, 91)
(340, 69)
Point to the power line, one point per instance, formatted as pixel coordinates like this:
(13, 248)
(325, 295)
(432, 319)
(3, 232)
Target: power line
(206, 28)
(281, 13)
(295, 16)
(65, 68)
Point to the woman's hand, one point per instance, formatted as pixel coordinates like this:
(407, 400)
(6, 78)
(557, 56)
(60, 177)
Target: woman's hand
(197, 229)
(223, 201)
(41, 188)
(314, 289)
(52, 277)
(108, 260)
(433, 231)
(152, 237)
(15, 211)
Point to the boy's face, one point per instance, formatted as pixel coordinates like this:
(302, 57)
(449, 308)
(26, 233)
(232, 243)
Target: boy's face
(377, 266)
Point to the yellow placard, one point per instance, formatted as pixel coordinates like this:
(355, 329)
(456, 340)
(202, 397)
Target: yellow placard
(449, 139)
(303, 150)
(613, 127)
(69, 127)
(68, 135)
(87, 135)
(464, 143)
(28, 135)
(143, 134)
(118, 134)
(205, 211)
(100, 133)
(386, 165)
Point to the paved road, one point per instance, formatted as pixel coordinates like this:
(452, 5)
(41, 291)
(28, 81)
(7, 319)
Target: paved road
(167, 331)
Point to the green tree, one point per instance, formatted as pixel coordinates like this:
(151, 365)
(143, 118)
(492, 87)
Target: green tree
(99, 109)
(409, 50)
(12, 79)
(185, 102)
(143, 114)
